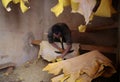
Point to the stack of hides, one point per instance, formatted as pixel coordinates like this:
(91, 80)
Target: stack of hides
(83, 68)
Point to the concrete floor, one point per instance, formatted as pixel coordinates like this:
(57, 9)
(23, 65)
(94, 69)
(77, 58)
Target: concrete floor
(29, 72)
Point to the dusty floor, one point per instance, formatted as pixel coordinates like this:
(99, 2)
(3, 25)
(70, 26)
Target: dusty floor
(32, 72)
(29, 72)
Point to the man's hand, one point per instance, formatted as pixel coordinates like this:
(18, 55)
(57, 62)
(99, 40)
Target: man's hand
(61, 50)
(59, 56)
(62, 55)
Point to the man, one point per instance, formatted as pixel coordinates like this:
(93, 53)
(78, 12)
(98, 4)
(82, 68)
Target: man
(60, 33)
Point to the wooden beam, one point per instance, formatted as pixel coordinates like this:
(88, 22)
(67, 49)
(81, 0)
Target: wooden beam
(36, 42)
(102, 27)
(104, 49)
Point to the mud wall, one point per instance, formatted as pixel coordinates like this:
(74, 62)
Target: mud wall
(17, 30)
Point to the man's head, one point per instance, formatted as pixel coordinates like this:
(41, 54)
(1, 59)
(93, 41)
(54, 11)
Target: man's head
(56, 31)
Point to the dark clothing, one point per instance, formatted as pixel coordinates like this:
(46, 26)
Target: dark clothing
(65, 31)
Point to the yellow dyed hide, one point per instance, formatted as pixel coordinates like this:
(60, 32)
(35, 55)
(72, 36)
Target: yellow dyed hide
(23, 7)
(82, 28)
(58, 9)
(105, 9)
(82, 68)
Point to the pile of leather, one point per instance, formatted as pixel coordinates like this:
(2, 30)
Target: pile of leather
(83, 68)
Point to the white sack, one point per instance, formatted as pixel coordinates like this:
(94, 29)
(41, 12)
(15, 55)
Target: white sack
(47, 51)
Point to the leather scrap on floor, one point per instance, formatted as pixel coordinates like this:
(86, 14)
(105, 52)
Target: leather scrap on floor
(83, 68)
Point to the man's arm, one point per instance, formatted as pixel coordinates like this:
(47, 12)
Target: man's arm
(65, 51)
(56, 46)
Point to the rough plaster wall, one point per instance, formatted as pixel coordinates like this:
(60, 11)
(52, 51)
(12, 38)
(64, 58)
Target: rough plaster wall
(16, 32)
(17, 29)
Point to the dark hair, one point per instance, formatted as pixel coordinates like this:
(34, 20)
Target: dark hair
(56, 29)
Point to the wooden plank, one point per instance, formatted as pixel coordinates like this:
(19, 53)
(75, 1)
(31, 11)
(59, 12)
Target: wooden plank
(104, 49)
(103, 37)
(102, 27)
(36, 42)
